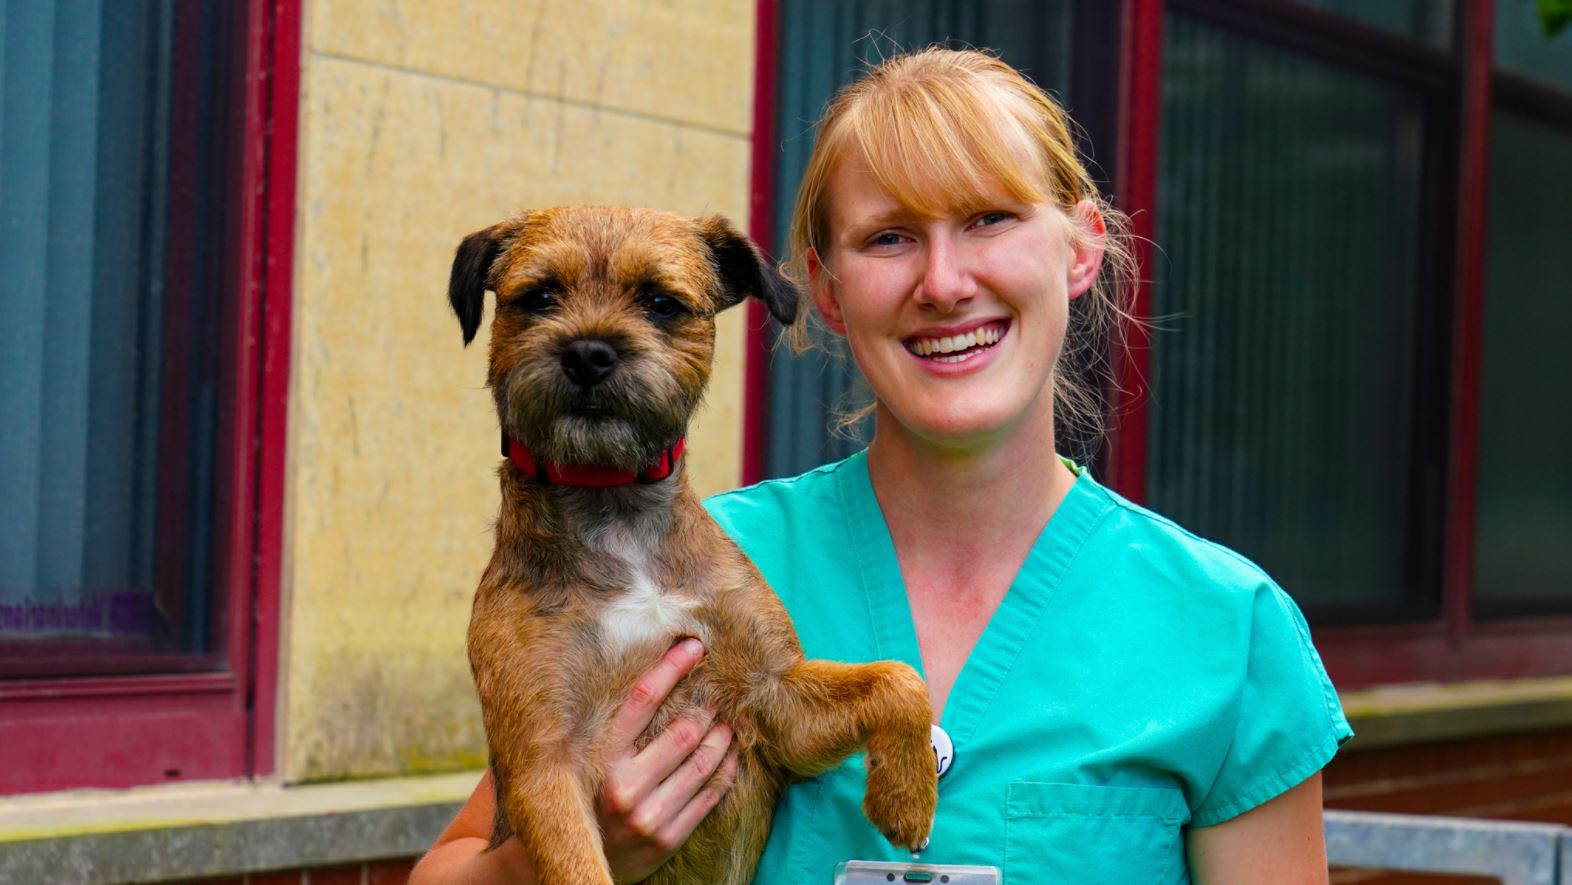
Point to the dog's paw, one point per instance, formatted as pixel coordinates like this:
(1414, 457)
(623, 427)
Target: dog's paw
(903, 791)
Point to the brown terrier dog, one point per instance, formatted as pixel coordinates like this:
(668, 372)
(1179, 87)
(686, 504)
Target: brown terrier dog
(600, 350)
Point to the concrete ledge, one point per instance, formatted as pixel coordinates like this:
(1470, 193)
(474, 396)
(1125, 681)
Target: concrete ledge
(1424, 712)
(166, 833)
(188, 831)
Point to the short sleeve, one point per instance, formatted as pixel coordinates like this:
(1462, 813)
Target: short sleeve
(1289, 721)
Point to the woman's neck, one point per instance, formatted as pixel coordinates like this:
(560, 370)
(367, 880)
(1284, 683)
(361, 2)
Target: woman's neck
(947, 506)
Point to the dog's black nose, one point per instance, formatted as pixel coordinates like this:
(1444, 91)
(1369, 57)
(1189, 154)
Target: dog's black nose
(587, 363)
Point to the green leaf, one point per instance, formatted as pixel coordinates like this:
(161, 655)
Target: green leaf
(1554, 15)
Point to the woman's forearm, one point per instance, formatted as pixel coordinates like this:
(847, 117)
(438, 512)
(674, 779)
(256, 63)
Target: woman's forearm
(465, 861)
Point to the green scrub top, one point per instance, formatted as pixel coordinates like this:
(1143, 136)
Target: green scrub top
(1136, 680)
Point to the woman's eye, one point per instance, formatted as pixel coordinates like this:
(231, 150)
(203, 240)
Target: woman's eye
(991, 218)
(663, 306)
(885, 239)
(537, 300)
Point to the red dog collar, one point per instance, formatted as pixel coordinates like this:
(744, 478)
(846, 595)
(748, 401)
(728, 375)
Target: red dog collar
(588, 475)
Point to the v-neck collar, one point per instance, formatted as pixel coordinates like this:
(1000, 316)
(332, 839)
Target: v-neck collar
(1013, 622)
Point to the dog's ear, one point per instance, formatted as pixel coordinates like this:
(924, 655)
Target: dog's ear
(471, 275)
(743, 271)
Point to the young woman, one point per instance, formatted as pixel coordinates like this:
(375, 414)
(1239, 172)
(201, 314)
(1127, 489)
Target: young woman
(1127, 702)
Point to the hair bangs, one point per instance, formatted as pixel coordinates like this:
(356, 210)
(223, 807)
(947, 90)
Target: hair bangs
(930, 150)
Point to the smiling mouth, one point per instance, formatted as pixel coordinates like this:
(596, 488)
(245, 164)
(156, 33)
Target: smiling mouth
(958, 348)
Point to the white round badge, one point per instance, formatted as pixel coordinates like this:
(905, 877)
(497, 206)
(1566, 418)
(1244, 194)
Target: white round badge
(943, 749)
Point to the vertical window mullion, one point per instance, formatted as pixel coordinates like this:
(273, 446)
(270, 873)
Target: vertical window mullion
(1463, 433)
(1140, 98)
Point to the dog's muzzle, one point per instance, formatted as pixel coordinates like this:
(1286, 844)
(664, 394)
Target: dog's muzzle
(587, 363)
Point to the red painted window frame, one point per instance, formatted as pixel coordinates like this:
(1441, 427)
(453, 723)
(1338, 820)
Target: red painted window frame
(761, 227)
(1452, 648)
(122, 731)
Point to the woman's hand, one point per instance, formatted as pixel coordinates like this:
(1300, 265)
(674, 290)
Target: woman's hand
(654, 798)
(651, 802)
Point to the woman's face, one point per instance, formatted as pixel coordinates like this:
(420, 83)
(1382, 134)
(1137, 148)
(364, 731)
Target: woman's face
(956, 322)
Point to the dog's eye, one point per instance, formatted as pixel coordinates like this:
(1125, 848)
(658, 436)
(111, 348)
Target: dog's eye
(536, 300)
(663, 306)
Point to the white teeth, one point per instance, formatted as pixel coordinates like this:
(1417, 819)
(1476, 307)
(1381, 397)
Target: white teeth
(986, 336)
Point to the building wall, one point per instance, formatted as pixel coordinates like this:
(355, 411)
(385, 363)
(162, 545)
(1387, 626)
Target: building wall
(421, 122)
(1523, 776)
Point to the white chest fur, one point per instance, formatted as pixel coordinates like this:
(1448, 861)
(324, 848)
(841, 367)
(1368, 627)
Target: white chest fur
(641, 612)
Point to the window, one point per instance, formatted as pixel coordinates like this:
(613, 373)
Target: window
(132, 154)
(1522, 562)
(1295, 380)
(114, 296)
(1357, 211)
(1355, 394)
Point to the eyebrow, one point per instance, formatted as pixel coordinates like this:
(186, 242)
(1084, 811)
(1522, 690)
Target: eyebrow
(890, 216)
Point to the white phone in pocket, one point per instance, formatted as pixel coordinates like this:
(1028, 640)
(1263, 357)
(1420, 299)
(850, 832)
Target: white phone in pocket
(868, 872)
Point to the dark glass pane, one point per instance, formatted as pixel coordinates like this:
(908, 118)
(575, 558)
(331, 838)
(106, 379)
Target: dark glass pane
(1285, 396)
(1429, 21)
(1523, 541)
(1523, 47)
(111, 214)
(823, 45)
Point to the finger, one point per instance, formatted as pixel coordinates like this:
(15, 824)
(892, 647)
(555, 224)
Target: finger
(678, 787)
(675, 789)
(649, 691)
(643, 773)
(688, 819)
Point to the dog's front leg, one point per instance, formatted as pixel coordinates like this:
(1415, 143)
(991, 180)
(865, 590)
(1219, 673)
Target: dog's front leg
(538, 767)
(549, 810)
(820, 712)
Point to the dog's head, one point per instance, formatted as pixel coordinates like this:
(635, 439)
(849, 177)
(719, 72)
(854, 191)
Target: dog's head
(605, 323)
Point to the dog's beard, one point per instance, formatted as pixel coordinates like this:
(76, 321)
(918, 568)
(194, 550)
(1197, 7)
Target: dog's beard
(625, 422)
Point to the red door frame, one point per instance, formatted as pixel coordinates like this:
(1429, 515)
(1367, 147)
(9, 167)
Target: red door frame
(121, 731)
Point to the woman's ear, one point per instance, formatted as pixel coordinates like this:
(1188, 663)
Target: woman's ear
(821, 283)
(1086, 248)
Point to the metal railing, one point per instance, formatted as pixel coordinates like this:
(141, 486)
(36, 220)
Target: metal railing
(1516, 853)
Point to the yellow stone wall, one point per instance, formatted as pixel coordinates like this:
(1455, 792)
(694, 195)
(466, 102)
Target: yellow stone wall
(421, 122)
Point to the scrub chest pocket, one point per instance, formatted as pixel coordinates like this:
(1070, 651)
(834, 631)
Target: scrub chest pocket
(1075, 833)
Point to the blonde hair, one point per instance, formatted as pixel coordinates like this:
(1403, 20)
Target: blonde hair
(941, 131)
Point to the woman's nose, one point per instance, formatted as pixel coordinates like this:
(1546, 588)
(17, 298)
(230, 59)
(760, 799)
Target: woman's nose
(946, 279)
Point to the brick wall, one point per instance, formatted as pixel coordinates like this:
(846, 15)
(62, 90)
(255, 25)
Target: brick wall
(1524, 777)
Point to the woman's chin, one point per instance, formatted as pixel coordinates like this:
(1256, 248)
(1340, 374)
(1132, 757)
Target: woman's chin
(976, 429)
(973, 422)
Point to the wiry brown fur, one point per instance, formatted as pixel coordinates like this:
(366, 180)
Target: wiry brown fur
(548, 674)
